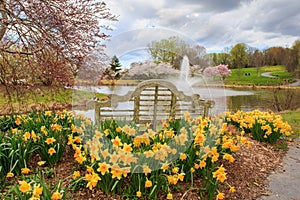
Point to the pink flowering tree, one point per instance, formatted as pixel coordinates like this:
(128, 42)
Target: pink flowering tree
(217, 71)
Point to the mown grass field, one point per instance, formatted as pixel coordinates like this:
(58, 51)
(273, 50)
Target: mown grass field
(252, 76)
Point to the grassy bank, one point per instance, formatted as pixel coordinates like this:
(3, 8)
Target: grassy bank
(24, 99)
(252, 76)
(293, 118)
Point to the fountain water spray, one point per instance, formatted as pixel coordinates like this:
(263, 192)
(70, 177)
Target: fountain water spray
(185, 68)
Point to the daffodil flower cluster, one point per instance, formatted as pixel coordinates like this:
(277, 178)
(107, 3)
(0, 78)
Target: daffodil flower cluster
(153, 159)
(137, 162)
(264, 126)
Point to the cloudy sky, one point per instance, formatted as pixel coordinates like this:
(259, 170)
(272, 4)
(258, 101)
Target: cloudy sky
(214, 24)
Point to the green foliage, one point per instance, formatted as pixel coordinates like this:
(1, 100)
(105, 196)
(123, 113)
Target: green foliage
(221, 58)
(53, 128)
(165, 50)
(15, 150)
(239, 56)
(116, 67)
(282, 146)
(173, 49)
(35, 132)
(34, 186)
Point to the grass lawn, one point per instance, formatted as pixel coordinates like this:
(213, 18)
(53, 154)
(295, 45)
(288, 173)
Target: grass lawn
(252, 76)
(293, 118)
(43, 95)
(40, 94)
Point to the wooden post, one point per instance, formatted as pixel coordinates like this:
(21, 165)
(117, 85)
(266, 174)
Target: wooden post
(136, 109)
(155, 107)
(97, 112)
(173, 105)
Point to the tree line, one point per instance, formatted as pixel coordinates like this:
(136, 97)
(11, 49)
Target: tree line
(172, 50)
(241, 56)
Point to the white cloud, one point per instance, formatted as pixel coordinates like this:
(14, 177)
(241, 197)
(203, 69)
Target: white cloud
(214, 24)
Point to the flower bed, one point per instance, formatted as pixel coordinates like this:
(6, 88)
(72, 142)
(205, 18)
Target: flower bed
(117, 158)
(263, 126)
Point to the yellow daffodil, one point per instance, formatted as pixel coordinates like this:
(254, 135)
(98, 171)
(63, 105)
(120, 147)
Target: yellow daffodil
(92, 179)
(182, 156)
(25, 170)
(148, 183)
(220, 196)
(24, 186)
(138, 194)
(18, 121)
(146, 169)
(116, 173)
(48, 113)
(51, 151)
(37, 191)
(202, 164)
(118, 129)
(232, 189)
(127, 147)
(26, 136)
(103, 168)
(41, 163)
(9, 175)
(56, 196)
(228, 157)
(175, 170)
(169, 196)
(116, 141)
(181, 176)
(50, 140)
(77, 139)
(76, 174)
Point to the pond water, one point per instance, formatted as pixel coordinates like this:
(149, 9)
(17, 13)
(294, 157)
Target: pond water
(226, 99)
(266, 99)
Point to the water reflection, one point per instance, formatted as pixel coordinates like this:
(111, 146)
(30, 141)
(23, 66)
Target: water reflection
(266, 99)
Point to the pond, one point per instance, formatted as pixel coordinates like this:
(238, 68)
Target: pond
(265, 99)
(228, 99)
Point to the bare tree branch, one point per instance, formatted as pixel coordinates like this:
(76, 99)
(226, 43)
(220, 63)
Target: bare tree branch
(3, 20)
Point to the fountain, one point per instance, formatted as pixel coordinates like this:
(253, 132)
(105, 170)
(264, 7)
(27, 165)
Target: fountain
(184, 82)
(184, 68)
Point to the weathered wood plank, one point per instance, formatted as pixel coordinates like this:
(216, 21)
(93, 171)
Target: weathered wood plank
(152, 100)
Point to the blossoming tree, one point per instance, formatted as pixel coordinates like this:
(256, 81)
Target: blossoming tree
(49, 39)
(217, 71)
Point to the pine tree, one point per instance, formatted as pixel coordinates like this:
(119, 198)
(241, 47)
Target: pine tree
(116, 67)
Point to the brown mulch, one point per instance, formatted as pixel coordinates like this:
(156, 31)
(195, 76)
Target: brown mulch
(252, 167)
(248, 174)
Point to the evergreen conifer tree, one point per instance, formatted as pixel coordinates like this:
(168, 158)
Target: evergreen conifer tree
(116, 67)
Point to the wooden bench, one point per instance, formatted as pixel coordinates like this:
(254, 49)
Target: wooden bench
(151, 102)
